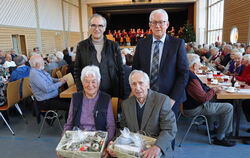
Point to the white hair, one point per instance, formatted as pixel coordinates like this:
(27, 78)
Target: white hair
(146, 78)
(161, 11)
(206, 47)
(35, 59)
(247, 57)
(59, 55)
(91, 70)
(193, 59)
(52, 58)
(214, 49)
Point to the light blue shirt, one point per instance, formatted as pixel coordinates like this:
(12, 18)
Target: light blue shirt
(43, 85)
(160, 50)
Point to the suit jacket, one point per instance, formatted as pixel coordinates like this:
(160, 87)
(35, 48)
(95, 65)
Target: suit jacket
(174, 69)
(158, 119)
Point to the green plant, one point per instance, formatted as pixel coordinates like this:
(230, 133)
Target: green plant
(188, 33)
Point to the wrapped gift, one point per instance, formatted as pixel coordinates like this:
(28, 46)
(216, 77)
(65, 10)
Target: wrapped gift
(131, 145)
(82, 144)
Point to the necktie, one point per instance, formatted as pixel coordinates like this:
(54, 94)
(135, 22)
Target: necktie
(155, 67)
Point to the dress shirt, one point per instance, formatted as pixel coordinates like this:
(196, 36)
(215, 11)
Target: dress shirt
(87, 121)
(160, 50)
(43, 85)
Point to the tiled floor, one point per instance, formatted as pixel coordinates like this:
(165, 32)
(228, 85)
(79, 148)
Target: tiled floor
(25, 143)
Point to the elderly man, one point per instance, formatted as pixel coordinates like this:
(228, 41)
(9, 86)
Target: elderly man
(150, 112)
(21, 71)
(98, 50)
(13, 54)
(8, 61)
(52, 64)
(44, 87)
(198, 102)
(2, 58)
(164, 59)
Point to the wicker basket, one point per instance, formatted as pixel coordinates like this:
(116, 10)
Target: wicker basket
(79, 154)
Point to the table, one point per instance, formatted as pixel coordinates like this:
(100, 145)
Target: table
(68, 92)
(237, 98)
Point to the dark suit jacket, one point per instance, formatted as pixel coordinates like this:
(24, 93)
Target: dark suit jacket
(158, 119)
(174, 69)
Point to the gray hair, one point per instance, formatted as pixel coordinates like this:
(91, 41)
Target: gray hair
(237, 53)
(97, 16)
(214, 49)
(146, 78)
(91, 70)
(52, 58)
(35, 59)
(59, 55)
(161, 11)
(19, 60)
(192, 59)
(247, 57)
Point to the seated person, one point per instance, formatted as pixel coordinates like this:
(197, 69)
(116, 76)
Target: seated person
(60, 60)
(198, 102)
(91, 109)
(20, 72)
(52, 64)
(8, 61)
(45, 88)
(245, 77)
(236, 67)
(149, 111)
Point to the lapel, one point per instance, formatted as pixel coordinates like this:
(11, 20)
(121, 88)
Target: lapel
(165, 53)
(132, 112)
(147, 110)
(147, 52)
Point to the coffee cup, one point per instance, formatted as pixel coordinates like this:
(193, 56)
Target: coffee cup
(225, 78)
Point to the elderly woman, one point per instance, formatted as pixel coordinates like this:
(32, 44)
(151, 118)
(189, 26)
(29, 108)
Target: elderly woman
(60, 60)
(235, 67)
(52, 63)
(198, 102)
(91, 109)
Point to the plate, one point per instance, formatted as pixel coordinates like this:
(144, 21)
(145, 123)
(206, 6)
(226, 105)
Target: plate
(230, 91)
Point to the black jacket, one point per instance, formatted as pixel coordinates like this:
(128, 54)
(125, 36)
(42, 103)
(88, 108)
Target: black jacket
(111, 58)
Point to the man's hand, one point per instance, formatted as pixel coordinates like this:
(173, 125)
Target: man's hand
(63, 80)
(110, 152)
(217, 89)
(152, 152)
(221, 67)
(172, 101)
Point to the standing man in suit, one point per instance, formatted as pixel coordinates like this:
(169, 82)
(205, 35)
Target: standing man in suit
(164, 59)
(105, 54)
(150, 112)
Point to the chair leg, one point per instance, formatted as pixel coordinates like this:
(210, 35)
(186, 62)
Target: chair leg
(12, 132)
(192, 122)
(60, 125)
(21, 113)
(42, 125)
(208, 133)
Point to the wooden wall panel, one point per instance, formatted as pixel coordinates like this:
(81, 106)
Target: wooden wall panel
(236, 13)
(51, 39)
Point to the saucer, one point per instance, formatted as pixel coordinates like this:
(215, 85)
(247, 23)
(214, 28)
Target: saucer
(230, 91)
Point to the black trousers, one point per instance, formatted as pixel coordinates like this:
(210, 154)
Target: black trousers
(246, 109)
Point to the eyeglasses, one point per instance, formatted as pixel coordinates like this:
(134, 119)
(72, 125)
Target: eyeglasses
(154, 23)
(95, 26)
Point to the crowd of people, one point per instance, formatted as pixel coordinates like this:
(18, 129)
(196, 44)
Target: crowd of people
(131, 37)
(150, 81)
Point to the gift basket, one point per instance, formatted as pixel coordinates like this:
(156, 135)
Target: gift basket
(131, 145)
(82, 144)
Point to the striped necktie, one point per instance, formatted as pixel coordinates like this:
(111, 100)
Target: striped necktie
(155, 67)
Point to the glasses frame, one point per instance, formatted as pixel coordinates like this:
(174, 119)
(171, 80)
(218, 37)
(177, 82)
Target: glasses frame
(97, 26)
(160, 23)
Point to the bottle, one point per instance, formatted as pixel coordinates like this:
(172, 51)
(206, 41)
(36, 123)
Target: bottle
(233, 80)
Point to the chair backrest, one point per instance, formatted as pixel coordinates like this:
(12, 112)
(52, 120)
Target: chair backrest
(26, 90)
(70, 80)
(59, 74)
(53, 73)
(13, 92)
(115, 106)
(64, 69)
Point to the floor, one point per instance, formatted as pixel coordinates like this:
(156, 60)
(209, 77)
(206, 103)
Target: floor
(26, 144)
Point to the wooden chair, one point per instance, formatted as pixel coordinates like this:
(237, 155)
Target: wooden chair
(53, 73)
(70, 80)
(115, 106)
(193, 122)
(64, 69)
(26, 90)
(13, 97)
(59, 74)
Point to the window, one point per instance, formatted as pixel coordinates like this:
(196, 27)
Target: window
(215, 20)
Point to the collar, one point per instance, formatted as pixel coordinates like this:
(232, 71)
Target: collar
(162, 39)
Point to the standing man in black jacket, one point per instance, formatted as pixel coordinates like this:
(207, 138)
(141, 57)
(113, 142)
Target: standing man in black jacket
(98, 50)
